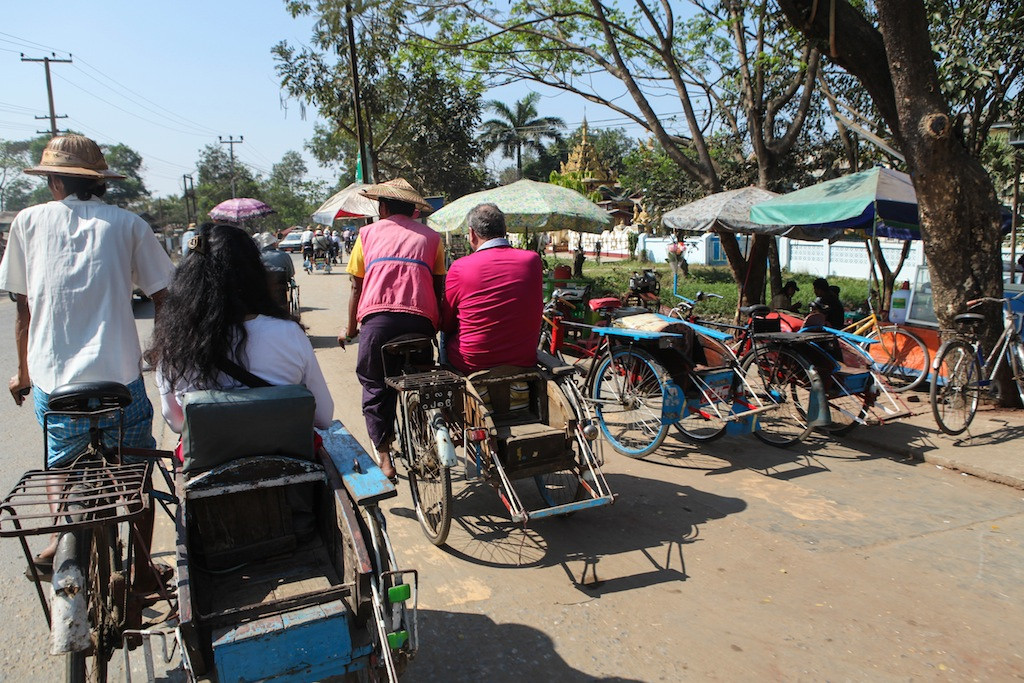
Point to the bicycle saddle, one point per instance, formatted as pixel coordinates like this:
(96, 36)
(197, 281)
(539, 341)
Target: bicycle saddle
(84, 397)
(755, 311)
(969, 318)
(411, 343)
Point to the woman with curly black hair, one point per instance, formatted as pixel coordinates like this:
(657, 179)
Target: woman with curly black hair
(219, 311)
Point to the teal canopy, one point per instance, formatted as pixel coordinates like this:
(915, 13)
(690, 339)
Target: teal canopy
(878, 200)
(528, 206)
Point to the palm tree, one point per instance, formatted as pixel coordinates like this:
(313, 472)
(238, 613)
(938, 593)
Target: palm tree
(517, 128)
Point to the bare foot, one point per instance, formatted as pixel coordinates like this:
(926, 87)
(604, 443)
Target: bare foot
(47, 553)
(386, 466)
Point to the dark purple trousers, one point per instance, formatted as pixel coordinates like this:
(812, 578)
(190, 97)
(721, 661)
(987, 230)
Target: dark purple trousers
(371, 368)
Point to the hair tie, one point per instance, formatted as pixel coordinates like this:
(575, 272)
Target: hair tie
(198, 244)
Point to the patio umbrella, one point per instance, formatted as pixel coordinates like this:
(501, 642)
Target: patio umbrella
(878, 200)
(528, 206)
(240, 209)
(347, 203)
(728, 210)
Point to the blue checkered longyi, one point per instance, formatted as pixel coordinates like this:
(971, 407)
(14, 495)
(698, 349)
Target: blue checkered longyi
(68, 436)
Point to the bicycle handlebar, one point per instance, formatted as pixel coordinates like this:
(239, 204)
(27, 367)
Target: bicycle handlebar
(560, 300)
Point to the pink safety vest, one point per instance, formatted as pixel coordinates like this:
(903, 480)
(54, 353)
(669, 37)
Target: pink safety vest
(398, 256)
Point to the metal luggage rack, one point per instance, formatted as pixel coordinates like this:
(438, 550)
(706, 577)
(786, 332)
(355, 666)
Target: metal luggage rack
(97, 493)
(425, 380)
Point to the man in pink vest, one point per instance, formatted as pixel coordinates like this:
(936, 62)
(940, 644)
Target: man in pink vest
(397, 268)
(493, 299)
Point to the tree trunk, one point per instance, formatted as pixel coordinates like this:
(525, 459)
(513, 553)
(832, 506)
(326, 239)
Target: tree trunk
(749, 271)
(957, 205)
(774, 268)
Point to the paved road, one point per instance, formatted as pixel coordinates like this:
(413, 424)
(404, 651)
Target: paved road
(736, 561)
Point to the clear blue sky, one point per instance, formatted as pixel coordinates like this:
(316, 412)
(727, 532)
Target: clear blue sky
(168, 78)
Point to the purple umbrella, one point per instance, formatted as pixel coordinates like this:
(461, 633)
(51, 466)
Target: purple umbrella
(240, 209)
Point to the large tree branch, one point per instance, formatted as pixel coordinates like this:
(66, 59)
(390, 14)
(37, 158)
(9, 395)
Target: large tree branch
(860, 49)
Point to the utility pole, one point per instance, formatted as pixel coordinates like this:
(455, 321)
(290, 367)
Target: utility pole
(191, 212)
(357, 109)
(231, 141)
(49, 88)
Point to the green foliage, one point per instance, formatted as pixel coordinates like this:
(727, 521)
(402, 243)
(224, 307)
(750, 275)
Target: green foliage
(979, 55)
(574, 181)
(126, 161)
(14, 184)
(289, 193)
(518, 128)
(214, 179)
(419, 113)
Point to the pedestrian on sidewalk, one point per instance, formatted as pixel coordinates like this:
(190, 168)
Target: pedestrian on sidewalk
(597, 252)
(397, 267)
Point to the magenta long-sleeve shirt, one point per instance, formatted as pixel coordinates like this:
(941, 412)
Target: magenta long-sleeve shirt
(492, 308)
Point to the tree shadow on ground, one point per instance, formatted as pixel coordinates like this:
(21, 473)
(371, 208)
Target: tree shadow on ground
(597, 548)
(472, 647)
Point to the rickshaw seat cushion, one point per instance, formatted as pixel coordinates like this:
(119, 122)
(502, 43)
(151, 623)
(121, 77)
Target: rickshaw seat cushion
(604, 303)
(225, 425)
(556, 367)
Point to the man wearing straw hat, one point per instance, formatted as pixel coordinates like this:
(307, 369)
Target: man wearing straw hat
(73, 264)
(397, 268)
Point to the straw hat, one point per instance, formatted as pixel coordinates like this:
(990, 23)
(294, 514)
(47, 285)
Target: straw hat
(74, 155)
(398, 189)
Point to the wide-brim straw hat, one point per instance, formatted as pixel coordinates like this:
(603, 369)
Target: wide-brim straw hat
(74, 155)
(398, 189)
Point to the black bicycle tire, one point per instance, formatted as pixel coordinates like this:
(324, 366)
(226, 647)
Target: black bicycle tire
(696, 438)
(389, 563)
(97, 571)
(761, 435)
(658, 373)
(1017, 366)
(934, 388)
(899, 387)
(436, 534)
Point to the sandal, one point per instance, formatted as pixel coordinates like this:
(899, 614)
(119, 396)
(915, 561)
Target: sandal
(393, 478)
(44, 568)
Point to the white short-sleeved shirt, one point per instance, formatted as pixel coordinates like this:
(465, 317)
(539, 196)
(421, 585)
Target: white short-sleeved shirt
(275, 350)
(77, 262)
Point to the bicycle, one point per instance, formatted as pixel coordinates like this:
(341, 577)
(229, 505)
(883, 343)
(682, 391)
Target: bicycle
(961, 371)
(94, 505)
(900, 355)
(428, 399)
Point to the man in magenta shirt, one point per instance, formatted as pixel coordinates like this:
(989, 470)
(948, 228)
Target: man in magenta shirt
(493, 299)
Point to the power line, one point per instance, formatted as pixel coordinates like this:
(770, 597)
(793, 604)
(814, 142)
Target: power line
(138, 116)
(231, 142)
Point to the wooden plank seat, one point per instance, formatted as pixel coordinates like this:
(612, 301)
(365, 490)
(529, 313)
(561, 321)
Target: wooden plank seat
(527, 414)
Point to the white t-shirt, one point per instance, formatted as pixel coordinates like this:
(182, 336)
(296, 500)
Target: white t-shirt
(77, 262)
(275, 350)
(307, 237)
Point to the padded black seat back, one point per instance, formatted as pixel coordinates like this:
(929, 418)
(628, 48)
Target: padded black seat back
(83, 397)
(225, 425)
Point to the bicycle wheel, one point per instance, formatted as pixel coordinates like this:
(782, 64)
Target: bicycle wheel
(900, 356)
(558, 488)
(1016, 353)
(393, 616)
(104, 595)
(706, 421)
(955, 387)
(429, 481)
(847, 411)
(629, 392)
(779, 377)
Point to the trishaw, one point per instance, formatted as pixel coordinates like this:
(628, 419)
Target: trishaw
(644, 372)
(284, 570)
(513, 423)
